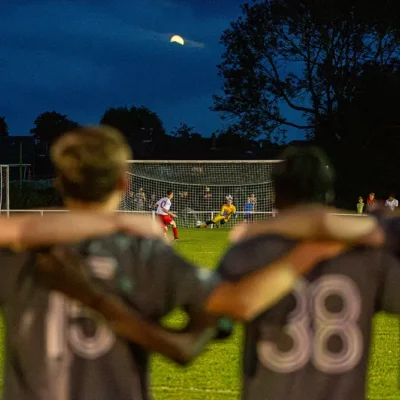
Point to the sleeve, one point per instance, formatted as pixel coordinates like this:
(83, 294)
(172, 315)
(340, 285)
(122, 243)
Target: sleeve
(234, 211)
(247, 257)
(388, 292)
(167, 281)
(222, 212)
(11, 265)
(251, 255)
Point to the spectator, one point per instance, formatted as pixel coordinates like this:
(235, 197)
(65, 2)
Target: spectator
(186, 210)
(140, 200)
(391, 202)
(360, 205)
(248, 211)
(253, 199)
(372, 204)
(207, 199)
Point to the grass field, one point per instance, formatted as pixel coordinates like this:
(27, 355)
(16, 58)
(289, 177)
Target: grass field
(216, 374)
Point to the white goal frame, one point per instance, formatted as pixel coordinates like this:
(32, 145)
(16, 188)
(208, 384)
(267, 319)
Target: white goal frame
(199, 213)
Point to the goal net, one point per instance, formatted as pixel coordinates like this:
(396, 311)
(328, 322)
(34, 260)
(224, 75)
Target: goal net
(4, 189)
(200, 189)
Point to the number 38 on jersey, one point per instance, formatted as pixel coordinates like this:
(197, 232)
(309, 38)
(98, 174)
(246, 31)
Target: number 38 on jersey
(311, 326)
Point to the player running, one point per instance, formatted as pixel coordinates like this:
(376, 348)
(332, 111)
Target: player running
(314, 344)
(163, 212)
(56, 349)
(227, 210)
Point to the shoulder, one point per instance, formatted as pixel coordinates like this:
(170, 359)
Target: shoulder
(253, 254)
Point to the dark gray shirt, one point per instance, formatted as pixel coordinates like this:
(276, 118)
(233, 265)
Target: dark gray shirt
(314, 344)
(55, 350)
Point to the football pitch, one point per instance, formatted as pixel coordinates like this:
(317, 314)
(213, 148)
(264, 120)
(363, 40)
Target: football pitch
(216, 374)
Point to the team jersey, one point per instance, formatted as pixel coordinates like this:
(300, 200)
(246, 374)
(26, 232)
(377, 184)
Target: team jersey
(163, 204)
(227, 211)
(55, 350)
(314, 344)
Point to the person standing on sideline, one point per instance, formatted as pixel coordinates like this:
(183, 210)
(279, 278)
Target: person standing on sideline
(248, 209)
(372, 203)
(392, 203)
(360, 205)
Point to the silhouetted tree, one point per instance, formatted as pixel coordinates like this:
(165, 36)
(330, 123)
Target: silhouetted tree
(134, 122)
(3, 127)
(183, 131)
(369, 128)
(50, 125)
(304, 55)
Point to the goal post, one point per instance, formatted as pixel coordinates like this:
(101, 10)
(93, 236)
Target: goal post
(4, 190)
(200, 188)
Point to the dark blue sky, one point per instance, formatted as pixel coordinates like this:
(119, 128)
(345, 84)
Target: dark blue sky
(79, 57)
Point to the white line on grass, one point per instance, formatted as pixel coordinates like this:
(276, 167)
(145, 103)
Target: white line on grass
(193, 389)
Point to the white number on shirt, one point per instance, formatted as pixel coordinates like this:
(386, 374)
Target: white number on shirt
(312, 344)
(62, 331)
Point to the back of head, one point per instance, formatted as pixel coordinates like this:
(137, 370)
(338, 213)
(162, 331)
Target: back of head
(304, 176)
(90, 162)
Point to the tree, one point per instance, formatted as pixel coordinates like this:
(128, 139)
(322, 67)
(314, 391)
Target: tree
(302, 55)
(136, 123)
(3, 127)
(51, 125)
(183, 131)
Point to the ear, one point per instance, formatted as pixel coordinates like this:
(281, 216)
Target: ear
(58, 185)
(122, 184)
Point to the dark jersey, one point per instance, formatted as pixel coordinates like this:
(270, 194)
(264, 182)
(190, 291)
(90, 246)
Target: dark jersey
(56, 350)
(314, 344)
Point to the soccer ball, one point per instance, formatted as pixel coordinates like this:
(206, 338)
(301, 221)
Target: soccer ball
(198, 223)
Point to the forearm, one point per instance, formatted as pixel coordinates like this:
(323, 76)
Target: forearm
(60, 228)
(26, 232)
(315, 224)
(263, 288)
(181, 347)
(254, 293)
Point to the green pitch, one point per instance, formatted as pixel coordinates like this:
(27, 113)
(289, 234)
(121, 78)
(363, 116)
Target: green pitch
(216, 374)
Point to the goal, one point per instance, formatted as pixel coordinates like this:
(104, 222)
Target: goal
(4, 190)
(200, 189)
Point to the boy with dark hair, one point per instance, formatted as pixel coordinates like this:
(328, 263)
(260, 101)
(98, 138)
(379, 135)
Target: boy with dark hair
(313, 344)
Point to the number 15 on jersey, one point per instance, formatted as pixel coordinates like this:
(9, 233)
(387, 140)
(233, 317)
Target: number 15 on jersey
(64, 330)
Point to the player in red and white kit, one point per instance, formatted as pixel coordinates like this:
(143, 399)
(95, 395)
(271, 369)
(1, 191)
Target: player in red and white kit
(163, 206)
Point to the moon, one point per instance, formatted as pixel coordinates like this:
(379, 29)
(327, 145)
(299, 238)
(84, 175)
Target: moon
(177, 39)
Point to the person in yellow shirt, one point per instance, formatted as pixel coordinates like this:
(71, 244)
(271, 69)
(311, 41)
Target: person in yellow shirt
(227, 210)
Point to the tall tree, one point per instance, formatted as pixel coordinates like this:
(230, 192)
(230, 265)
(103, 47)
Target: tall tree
(136, 123)
(302, 55)
(183, 131)
(3, 127)
(50, 125)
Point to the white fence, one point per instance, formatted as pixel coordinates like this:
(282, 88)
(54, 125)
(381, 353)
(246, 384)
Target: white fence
(187, 219)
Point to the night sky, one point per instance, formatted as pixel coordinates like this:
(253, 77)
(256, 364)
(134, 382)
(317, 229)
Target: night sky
(79, 57)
